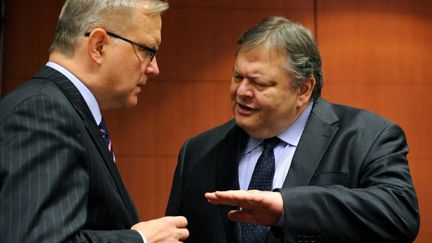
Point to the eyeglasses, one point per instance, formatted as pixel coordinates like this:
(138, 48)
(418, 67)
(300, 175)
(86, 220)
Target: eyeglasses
(151, 51)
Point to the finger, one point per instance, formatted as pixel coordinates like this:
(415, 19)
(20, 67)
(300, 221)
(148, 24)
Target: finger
(180, 221)
(219, 195)
(223, 202)
(224, 198)
(241, 216)
(183, 234)
(249, 199)
(210, 195)
(213, 199)
(239, 196)
(230, 193)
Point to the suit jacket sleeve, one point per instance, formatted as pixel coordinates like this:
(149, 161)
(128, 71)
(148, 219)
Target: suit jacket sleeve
(43, 179)
(382, 207)
(174, 202)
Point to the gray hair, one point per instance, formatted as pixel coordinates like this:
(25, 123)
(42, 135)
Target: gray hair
(80, 16)
(292, 40)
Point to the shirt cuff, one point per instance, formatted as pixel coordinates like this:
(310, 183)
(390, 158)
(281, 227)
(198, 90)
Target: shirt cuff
(143, 237)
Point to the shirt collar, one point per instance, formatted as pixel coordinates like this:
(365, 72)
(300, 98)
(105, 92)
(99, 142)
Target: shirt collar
(88, 96)
(290, 135)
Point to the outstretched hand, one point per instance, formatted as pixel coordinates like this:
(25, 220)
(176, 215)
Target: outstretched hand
(259, 207)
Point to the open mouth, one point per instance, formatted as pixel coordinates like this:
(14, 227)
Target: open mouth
(245, 109)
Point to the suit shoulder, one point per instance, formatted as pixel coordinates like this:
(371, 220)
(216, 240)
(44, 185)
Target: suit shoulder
(27, 92)
(30, 88)
(362, 117)
(354, 120)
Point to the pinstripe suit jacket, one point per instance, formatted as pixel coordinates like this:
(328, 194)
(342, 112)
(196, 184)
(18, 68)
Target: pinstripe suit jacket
(58, 181)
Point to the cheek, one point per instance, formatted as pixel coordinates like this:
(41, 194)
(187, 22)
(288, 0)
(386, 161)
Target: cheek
(286, 106)
(233, 89)
(267, 101)
(273, 103)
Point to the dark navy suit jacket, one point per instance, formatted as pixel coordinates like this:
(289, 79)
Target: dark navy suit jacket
(349, 181)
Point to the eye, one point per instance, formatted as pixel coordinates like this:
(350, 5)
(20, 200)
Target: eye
(260, 83)
(144, 52)
(237, 78)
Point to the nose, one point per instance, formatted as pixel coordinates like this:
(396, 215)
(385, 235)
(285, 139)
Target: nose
(244, 88)
(152, 68)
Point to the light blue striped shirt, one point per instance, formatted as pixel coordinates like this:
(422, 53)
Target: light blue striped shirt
(283, 152)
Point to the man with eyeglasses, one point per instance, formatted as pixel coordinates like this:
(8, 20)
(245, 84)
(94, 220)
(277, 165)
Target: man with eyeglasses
(58, 177)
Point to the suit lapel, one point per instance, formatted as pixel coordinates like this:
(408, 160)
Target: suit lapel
(316, 137)
(318, 134)
(76, 99)
(228, 156)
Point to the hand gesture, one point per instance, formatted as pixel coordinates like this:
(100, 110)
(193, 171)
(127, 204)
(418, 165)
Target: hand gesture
(259, 207)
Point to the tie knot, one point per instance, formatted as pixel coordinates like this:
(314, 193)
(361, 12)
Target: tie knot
(270, 143)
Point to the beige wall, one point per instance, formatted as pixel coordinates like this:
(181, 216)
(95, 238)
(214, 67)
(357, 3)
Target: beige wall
(375, 56)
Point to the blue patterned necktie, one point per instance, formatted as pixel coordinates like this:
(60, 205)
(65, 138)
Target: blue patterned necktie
(105, 135)
(262, 179)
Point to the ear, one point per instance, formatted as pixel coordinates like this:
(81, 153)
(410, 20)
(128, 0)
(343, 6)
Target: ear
(304, 91)
(97, 39)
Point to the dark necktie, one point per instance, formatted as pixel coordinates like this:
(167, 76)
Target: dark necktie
(262, 179)
(105, 135)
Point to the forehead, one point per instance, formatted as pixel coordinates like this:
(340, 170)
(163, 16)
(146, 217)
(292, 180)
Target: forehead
(147, 26)
(258, 59)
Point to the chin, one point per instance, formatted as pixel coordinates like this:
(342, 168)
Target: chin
(132, 104)
(132, 101)
(127, 104)
(249, 127)
(255, 130)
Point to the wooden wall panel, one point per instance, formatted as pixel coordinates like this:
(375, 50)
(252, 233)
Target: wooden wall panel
(29, 28)
(166, 116)
(376, 56)
(148, 187)
(198, 44)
